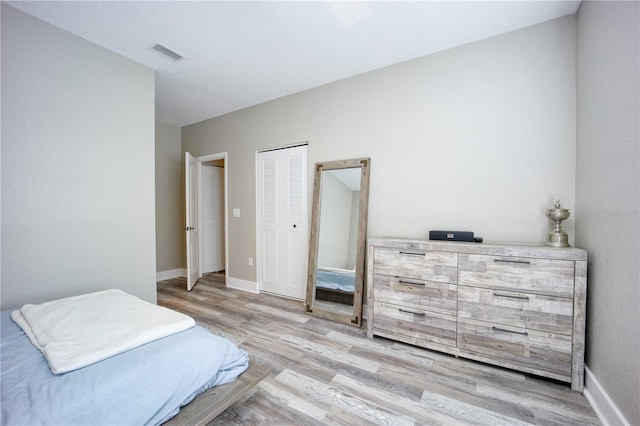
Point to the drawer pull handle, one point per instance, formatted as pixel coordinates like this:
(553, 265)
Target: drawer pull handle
(420, 314)
(511, 296)
(520, 262)
(524, 333)
(410, 283)
(410, 253)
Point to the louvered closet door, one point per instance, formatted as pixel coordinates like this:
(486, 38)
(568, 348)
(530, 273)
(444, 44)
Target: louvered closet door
(283, 228)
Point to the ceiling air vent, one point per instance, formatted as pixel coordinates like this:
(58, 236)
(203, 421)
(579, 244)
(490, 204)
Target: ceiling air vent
(166, 52)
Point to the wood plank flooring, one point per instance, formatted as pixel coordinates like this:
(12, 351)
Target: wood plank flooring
(325, 373)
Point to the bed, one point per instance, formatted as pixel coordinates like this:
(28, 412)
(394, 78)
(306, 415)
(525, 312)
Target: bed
(147, 384)
(335, 285)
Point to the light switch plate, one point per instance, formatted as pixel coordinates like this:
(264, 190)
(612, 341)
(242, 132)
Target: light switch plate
(236, 212)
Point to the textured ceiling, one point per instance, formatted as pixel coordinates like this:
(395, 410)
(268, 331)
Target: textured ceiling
(238, 54)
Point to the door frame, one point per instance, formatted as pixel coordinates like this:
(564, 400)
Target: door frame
(204, 159)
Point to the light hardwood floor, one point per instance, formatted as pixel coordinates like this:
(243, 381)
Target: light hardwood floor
(323, 372)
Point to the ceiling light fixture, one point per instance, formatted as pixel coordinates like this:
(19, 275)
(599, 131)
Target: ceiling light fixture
(166, 52)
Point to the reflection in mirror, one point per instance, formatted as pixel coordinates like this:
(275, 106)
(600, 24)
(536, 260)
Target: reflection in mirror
(338, 238)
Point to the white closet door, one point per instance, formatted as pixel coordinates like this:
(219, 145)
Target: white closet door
(283, 223)
(212, 231)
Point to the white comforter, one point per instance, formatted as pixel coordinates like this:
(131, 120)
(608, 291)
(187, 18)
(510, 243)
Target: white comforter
(81, 330)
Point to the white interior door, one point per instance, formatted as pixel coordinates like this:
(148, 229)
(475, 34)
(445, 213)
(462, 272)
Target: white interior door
(193, 248)
(211, 232)
(283, 223)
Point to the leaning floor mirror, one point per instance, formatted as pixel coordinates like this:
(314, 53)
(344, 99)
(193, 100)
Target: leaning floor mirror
(338, 240)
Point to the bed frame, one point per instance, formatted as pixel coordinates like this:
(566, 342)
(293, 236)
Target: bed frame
(337, 296)
(208, 405)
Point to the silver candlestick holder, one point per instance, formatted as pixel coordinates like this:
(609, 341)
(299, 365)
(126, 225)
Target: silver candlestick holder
(557, 237)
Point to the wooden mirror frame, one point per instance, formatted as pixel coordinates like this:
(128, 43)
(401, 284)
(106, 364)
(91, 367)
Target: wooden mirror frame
(356, 317)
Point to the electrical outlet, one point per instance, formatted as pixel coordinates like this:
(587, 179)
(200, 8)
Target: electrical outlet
(250, 261)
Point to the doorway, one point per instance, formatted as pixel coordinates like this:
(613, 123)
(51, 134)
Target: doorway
(212, 208)
(208, 217)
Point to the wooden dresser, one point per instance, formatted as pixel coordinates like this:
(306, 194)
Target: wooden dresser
(515, 306)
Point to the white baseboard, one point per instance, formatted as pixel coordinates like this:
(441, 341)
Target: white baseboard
(173, 273)
(235, 283)
(604, 407)
(238, 284)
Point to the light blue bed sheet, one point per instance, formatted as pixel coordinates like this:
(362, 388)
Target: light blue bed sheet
(336, 279)
(146, 385)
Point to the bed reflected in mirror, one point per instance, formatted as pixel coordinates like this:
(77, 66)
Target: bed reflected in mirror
(338, 238)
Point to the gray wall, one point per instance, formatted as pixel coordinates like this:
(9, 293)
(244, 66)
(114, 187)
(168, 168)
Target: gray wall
(352, 251)
(607, 194)
(481, 138)
(335, 222)
(170, 250)
(77, 166)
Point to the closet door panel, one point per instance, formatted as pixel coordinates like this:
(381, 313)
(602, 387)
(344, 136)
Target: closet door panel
(283, 223)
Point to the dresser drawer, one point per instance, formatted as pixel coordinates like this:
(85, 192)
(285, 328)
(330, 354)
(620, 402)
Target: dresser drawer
(422, 265)
(540, 276)
(429, 295)
(417, 324)
(546, 351)
(528, 311)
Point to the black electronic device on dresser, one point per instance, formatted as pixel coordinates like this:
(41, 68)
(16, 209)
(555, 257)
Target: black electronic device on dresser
(463, 236)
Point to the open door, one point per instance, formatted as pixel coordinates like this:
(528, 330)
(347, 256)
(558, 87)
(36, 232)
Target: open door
(193, 247)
